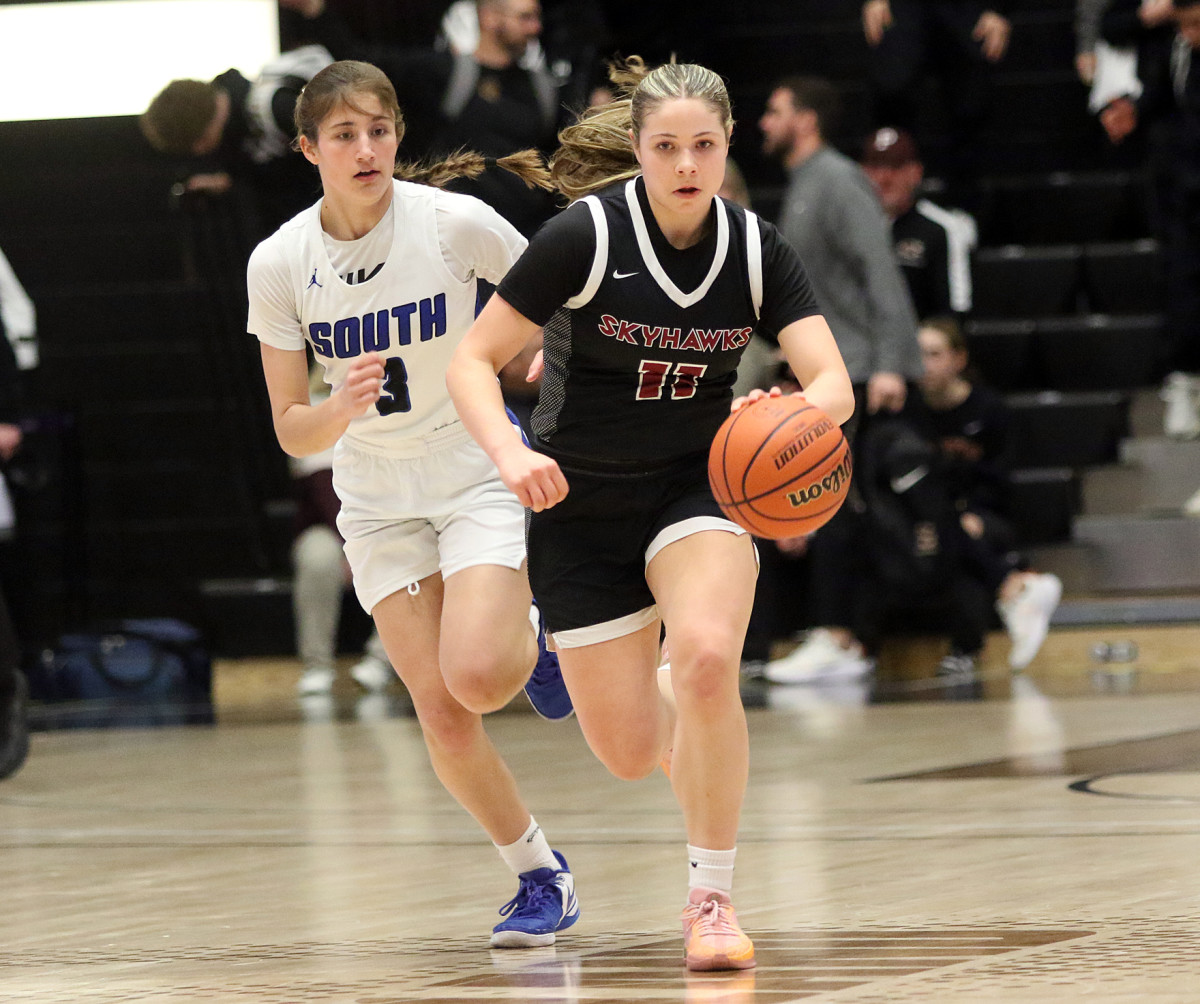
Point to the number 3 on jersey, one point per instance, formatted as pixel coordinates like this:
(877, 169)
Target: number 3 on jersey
(653, 376)
(393, 396)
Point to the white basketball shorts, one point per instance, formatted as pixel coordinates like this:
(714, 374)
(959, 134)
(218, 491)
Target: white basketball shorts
(440, 507)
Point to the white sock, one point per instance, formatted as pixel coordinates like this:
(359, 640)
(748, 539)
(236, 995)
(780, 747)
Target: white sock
(711, 869)
(529, 851)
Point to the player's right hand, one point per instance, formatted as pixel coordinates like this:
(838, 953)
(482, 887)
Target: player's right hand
(534, 478)
(363, 385)
(1119, 119)
(757, 395)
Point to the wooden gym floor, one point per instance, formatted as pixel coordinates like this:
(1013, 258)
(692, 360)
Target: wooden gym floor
(1036, 841)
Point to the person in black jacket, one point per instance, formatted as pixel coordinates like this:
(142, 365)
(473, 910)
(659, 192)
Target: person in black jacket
(14, 689)
(968, 422)
(1168, 114)
(955, 40)
(494, 100)
(933, 244)
(234, 131)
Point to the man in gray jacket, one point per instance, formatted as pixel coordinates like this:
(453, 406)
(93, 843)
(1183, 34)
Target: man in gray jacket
(831, 215)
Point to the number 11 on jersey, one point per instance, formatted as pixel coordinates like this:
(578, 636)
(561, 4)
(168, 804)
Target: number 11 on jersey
(654, 375)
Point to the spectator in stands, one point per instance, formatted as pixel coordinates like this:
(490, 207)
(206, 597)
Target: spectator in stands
(14, 698)
(832, 217)
(494, 100)
(233, 131)
(322, 574)
(933, 245)
(17, 344)
(938, 537)
(574, 34)
(1168, 113)
(1088, 16)
(1110, 71)
(18, 318)
(958, 41)
(968, 422)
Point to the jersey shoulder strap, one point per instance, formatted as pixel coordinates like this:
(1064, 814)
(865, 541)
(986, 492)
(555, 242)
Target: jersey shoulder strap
(754, 269)
(599, 259)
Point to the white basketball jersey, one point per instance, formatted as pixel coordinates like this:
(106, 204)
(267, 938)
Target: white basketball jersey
(413, 310)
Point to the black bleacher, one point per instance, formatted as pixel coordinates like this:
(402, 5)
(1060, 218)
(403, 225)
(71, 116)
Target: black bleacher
(1017, 281)
(1097, 351)
(1002, 352)
(1061, 429)
(1043, 502)
(1063, 207)
(1123, 277)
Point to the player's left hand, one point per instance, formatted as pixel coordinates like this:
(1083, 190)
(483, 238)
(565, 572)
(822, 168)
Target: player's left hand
(885, 392)
(535, 368)
(10, 440)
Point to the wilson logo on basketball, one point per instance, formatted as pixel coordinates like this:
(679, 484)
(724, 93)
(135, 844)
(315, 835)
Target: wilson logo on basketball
(835, 481)
(810, 436)
(779, 467)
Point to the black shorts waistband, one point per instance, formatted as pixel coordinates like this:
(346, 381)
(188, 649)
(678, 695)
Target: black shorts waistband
(604, 468)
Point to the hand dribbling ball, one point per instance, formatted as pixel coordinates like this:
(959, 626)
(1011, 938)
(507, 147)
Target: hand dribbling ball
(779, 467)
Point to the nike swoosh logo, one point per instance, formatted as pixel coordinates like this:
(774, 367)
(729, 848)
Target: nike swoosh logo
(622, 275)
(529, 839)
(903, 483)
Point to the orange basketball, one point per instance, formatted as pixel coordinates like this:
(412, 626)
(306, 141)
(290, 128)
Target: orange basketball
(779, 467)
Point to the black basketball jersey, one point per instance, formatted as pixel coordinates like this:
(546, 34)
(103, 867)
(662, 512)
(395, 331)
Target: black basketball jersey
(639, 371)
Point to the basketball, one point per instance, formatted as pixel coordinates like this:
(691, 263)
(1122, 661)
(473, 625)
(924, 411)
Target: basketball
(779, 467)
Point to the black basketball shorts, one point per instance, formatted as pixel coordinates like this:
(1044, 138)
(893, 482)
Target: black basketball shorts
(588, 554)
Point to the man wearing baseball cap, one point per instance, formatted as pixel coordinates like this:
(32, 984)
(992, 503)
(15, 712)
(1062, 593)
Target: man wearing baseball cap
(932, 244)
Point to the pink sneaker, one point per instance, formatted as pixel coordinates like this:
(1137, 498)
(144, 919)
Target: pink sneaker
(712, 938)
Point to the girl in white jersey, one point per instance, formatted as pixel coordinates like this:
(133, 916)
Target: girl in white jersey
(661, 284)
(380, 278)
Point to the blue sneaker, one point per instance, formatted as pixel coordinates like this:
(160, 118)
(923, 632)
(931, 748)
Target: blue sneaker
(545, 903)
(546, 690)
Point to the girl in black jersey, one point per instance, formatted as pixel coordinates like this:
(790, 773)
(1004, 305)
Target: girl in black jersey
(648, 291)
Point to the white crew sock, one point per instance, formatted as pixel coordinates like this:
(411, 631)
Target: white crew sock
(711, 869)
(529, 851)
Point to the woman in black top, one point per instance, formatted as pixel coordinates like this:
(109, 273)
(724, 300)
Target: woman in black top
(648, 288)
(969, 423)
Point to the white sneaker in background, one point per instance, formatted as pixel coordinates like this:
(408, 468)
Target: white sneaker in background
(957, 669)
(1027, 616)
(315, 680)
(1192, 506)
(820, 657)
(1181, 394)
(372, 674)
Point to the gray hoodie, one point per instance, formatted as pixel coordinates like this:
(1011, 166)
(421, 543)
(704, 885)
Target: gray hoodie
(833, 219)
